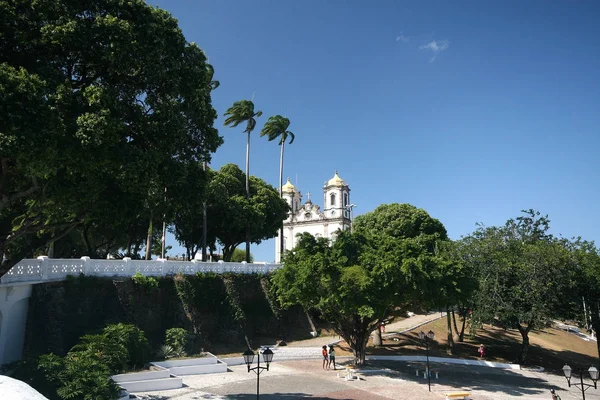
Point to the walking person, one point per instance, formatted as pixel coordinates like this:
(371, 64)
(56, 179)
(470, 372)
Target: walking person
(332, 356)
(481, 351)
(554, 395)
(325, 358)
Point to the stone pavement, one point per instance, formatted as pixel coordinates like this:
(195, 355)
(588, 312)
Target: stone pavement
(294, 380)
(305, 379)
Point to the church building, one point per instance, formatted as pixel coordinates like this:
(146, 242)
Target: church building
(308, 217)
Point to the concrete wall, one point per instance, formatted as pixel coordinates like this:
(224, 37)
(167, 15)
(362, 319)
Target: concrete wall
(14, 303)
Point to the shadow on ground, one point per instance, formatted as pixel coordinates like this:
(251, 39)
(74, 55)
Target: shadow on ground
(470, 378)
(267, 396)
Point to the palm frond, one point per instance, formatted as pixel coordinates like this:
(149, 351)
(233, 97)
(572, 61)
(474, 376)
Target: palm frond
(242, 111)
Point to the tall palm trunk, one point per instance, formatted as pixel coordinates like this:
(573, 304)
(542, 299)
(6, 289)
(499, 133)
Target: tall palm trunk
(248, 196)
(149, 239)
(281, 248)
(204, 218)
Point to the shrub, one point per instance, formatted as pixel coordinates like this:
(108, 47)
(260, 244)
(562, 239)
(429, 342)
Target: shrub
(111, 353)
(177, 338)
(134, 341)
(86, 377)
(147, 282)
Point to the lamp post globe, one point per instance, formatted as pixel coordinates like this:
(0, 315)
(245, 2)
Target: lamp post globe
(430, 335)
(567, 371)
(267, 356)
(593, 373)
(248, 357)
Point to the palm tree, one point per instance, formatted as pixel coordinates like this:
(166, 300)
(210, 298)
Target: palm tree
(243, 111)
(212, 84)
(276, 128)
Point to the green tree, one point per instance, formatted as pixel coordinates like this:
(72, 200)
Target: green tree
(99, 101)
(240, 255)
(522, 274)
(586, 283)
(453, 287)
(240, 112)
(355, 281)
(277, 128)
(237, 218)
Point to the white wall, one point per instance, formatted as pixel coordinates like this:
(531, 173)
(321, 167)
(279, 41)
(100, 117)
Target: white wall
(14, 303)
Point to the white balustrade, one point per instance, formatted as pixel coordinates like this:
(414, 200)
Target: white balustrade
(45, 269)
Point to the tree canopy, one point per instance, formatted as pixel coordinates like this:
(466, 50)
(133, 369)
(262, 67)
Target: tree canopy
(233, 216)
(103, 103)
(354, 281)
(522, 272)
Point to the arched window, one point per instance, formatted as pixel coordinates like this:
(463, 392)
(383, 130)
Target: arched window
(332, 199)
(345, 199)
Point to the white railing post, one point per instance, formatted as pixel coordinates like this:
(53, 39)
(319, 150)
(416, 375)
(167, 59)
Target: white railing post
(86, 265)
(162, 266)
(128, 265)
(220, 266)
(45, 264)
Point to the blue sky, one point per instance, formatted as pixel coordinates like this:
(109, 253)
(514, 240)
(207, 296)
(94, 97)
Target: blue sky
(471, 110)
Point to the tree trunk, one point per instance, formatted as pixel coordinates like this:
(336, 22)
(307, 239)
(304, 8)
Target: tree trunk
(149, 239)
(450, 333)
(359, 347)
(595, 316)
(248, 195)
(204, 220)
(377, 339)
(281, 248)
(310, 321)
(461, 335)
(525, 344)
(227, 253)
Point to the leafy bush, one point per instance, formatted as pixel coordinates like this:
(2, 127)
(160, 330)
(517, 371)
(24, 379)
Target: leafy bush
(147, 282)
(111, 353)
(134, 341)
(177, 338)
(86, 377)
(166, 351)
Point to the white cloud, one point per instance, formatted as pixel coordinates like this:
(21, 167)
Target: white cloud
(436, 47)
(402, 38)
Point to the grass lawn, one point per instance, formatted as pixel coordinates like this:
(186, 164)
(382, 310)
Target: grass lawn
(550, 348)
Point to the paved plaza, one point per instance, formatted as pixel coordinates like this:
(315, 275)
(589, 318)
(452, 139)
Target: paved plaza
(305, 379)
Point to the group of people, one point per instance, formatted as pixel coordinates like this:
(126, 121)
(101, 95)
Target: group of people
(328, 357)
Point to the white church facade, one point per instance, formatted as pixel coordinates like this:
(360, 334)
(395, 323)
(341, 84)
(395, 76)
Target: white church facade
(308, 217)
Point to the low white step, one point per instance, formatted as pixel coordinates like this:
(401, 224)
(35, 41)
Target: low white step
(154, 384)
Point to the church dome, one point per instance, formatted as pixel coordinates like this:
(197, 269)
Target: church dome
(288, 187)
(336, 180)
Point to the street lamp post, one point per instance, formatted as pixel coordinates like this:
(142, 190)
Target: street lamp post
(581, 385)
(350, 207)
(426, 338)
(249, 358)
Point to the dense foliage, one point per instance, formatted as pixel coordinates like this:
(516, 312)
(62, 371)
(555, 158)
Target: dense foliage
(104, 104)
(236, 218)
(84, 372)
(356, 280)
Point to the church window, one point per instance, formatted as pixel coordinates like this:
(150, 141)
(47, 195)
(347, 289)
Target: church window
(332, 199)
(345, 199)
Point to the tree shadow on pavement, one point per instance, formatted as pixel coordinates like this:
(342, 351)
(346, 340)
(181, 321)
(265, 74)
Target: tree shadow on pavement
(458, 377)
(247, 396)
(283, 396)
